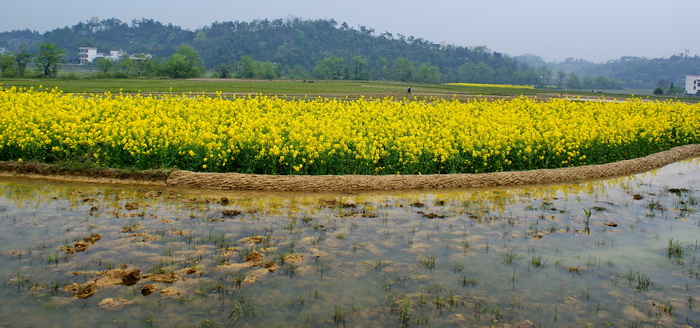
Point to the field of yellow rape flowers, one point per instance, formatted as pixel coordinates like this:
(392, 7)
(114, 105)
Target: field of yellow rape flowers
(271, 135)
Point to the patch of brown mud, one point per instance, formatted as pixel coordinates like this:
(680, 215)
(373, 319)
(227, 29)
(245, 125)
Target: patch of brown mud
(171, 292)
(292, 258)
(131, 206)
(82, 245)
(118, 277)
(148, 289)
(108, 278)
(83, 291)
(162, 277)
(253, 276)
(254, 258)
(237, 181)
(113, 303)
(144, 237)
(252, 240)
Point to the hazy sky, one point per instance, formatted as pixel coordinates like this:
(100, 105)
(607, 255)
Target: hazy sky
(595, 30)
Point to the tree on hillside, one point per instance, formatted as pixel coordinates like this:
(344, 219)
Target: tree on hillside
(573, 82)
(246, 67)
(545, 75)
(427, 74)
(22, 59)
(602, 82)
(222, 71)
(49, 58)
(380, 69)
(403, 69)
(476, 73)
(267, 70)
(104, 65)
(359, 68)
(561, 75)
(185, 63)
(329, 68)
(137, 65)
(7, 65)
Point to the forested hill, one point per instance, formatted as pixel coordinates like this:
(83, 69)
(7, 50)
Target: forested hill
(635, 72)
(296, 48)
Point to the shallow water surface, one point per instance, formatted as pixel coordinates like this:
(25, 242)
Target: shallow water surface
(620, 252)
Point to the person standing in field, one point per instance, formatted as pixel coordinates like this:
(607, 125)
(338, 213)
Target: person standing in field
(408, 92)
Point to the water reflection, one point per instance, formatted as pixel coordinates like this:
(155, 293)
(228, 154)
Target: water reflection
(523, 256)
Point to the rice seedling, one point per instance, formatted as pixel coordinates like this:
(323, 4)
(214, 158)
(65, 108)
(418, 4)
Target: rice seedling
(242, 308)
(465, 246)
(290, 269)
(509, 257)
(339, 315)
(439, 302)
(587, 223)
(405, 312)
(428, 262)
(537, 262)
(468, 281)
(239, 277)
(675, 250)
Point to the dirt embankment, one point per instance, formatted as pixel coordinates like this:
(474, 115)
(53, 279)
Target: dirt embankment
(237, 181)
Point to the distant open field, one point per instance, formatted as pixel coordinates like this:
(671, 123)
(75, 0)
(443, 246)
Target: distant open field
(296, 88)
(275, 87)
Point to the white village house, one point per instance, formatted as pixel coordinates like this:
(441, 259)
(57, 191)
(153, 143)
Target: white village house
(87, 54)
(692, 84)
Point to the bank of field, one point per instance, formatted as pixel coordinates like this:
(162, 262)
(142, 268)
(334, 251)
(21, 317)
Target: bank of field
(270, 135)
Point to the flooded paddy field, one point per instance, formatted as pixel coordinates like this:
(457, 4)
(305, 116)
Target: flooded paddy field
(620, 252)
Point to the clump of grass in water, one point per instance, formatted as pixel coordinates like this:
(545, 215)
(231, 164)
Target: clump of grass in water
(587, 227)
(428, 262)
(468, 281)
(239, 278)
(675, 250)
(537, 261)
(509, 257)
(242, 309)
(405, 313)
(339, 315)
(643, 282)
(379, 265)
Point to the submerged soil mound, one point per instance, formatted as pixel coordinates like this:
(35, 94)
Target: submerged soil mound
(237, 181)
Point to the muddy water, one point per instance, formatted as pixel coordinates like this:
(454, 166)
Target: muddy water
(624, 252)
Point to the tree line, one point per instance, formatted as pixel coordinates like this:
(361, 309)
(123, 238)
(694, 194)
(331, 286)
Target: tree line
(294, 49)
(291, 48)
(632, 72)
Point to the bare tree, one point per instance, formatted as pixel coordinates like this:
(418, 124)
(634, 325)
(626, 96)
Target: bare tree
(561, 75)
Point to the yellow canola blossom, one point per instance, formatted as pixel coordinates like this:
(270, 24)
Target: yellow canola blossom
(260, 134)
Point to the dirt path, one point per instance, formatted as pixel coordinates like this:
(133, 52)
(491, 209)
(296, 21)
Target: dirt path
(237, 181)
